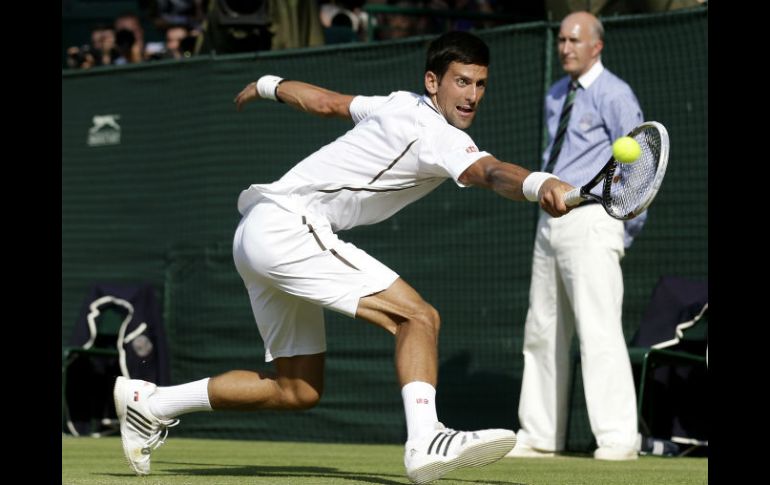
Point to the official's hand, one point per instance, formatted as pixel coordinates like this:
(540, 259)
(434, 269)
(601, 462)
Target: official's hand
(248, 94)
(552, 197)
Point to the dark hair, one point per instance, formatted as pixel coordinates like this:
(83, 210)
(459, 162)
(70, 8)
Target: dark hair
(462, 47)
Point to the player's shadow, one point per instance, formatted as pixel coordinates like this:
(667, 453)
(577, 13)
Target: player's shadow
(212, 470)
(285, 472)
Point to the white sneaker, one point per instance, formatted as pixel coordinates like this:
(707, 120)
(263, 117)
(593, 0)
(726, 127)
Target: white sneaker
(615, 453)
(526, 451)
(434, 455)
(140, 431)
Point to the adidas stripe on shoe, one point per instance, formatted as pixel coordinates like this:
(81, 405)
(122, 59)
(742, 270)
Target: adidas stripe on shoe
(436, 454)
(140, 431)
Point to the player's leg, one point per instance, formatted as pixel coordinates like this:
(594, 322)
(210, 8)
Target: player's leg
(432, 450)
(146, 411)
(294, 338)
(297, 383)
(322, 269)
(415, 324)
(293, 334)
(289, 327)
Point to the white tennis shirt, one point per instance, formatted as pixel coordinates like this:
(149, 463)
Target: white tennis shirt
(400, 150)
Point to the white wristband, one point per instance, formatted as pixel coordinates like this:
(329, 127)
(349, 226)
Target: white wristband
(267, 86)
(533, 182)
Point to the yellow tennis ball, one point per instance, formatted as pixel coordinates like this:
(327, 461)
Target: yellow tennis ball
(626, 150)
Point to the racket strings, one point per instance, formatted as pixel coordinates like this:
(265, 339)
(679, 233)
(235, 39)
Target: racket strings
(630, 185)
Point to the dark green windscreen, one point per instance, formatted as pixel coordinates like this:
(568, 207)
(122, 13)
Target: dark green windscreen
(159, 205)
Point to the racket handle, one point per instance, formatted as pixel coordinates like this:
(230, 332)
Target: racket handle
(573, 198)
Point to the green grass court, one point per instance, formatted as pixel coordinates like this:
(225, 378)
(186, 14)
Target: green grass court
(89, 461)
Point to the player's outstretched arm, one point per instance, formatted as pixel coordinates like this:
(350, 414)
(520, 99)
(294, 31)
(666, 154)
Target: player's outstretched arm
(551, 196)
(507, 180)
(303, 96)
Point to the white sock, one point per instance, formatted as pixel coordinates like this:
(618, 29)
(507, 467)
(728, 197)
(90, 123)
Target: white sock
(170, 402)
(420, 409)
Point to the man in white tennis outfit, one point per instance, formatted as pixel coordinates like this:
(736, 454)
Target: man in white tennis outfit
(293, 264)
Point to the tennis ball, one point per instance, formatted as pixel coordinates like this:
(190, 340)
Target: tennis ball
(626, 150)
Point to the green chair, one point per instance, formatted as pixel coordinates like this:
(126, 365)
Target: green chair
(669, 355)
(686, 351)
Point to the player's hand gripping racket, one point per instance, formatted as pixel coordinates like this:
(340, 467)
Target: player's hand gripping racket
(628, 188)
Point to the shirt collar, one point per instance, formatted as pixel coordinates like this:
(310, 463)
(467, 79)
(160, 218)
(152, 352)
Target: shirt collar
(426, 99)
(590, 76)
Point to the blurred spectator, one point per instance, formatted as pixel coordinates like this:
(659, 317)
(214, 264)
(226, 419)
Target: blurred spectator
(126, 43)
(177, 43)
(103, 43)
(343, 21)
(180, 43)
(398, 26)
(129, 38)
(295, 23)
(475, 6)
(172, 13)
(439, 23)
(237, 26)
(80, 57)
(101, 51)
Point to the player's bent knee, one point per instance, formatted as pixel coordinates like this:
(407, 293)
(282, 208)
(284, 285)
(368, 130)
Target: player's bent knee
(303, 398)
(300, 394)
(428, 317)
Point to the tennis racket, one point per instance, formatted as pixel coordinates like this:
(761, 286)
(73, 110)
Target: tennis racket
(628, 188)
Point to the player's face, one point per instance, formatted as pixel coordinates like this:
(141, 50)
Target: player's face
(579, 47)
(458, 93)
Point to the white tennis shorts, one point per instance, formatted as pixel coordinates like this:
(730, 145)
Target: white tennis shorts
(293, 266)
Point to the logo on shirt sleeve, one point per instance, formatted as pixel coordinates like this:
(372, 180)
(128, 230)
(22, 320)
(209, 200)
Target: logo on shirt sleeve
(471, 149)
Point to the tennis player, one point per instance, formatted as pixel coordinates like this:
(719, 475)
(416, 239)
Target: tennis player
(294, 264)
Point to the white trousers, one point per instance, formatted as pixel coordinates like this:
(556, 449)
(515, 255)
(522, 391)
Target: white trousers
(577, 284)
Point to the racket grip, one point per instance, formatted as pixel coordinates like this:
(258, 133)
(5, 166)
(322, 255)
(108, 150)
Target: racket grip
(573, 198)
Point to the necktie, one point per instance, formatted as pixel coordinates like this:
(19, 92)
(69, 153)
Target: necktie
(563, 122)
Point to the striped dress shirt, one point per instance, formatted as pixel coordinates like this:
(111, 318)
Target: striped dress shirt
(605, 108)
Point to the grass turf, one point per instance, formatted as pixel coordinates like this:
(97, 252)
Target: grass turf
(89, 461)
